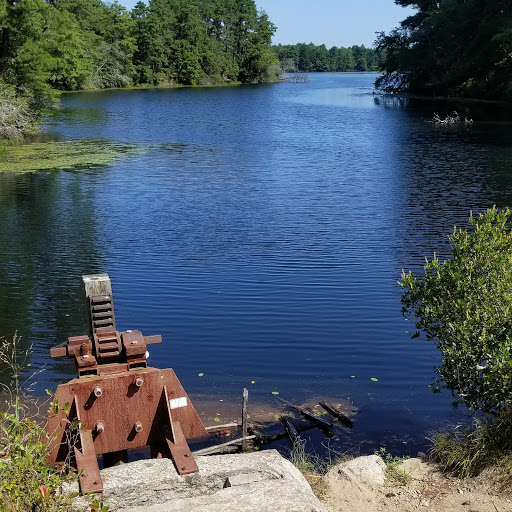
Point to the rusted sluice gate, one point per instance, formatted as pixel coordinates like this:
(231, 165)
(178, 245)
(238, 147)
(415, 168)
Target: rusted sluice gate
(120, 403)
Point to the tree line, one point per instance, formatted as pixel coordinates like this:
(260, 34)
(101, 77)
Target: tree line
(51, 45)
(309, 57)
(450, 48)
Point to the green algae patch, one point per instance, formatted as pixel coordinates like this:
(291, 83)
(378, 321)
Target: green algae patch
(63, 155)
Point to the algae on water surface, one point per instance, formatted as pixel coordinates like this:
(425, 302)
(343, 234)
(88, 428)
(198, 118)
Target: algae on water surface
(67, 155)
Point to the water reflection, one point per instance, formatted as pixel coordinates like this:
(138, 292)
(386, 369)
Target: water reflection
(262, 233)
(48, 232)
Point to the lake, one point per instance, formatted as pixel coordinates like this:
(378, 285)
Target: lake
(261, 230)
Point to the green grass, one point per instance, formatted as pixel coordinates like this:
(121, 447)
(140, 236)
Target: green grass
(307, 461)
(394, 470)
(469, 449)
(67, 155)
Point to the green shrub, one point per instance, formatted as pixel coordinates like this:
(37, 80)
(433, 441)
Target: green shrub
(16, 118)
(27, 483)
(464, 305)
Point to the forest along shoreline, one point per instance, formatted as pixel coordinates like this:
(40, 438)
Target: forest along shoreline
(98, 45)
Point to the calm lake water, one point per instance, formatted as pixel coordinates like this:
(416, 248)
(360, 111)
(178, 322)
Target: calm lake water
(261, 230)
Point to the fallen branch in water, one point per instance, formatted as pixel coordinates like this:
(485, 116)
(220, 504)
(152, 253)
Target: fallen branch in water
(455, 119)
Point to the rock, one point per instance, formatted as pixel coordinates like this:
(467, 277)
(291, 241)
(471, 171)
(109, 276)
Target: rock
(368, 470)
(243, 479)
(262, 481)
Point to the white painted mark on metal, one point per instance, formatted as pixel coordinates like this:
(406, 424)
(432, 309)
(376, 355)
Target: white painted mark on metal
(176, 403)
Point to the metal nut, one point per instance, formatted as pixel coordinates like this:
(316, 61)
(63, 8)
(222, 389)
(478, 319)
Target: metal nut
(138, 427)
(134, 342)
(98, 392)
(100, 428)
(139, 382)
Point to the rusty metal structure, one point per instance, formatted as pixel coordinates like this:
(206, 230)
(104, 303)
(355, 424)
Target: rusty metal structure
(117, 402)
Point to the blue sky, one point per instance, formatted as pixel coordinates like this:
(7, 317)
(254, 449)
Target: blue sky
(329, 22)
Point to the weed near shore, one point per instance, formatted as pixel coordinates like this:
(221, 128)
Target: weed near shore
(27, 483)
(469, 449)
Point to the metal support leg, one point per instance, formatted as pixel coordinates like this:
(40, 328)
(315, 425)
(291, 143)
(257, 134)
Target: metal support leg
(177, 444)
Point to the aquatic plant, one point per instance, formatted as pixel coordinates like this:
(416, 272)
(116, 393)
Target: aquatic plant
(63, 155)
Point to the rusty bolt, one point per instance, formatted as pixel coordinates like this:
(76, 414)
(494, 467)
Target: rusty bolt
(98, 392)
(138, 427)
(184, 468)
(85, 356)
(139, 382)
(100, 428)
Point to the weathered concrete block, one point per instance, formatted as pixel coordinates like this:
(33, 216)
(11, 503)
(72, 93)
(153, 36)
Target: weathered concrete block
(262, 481)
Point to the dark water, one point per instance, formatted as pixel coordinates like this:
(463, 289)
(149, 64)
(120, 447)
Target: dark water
(262, 232)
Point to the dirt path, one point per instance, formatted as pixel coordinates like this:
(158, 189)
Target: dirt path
(428, 490)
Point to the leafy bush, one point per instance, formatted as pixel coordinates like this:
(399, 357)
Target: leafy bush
(16, 118)
(465, 306)
(26, 482)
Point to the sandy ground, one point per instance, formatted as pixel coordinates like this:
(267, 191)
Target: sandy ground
(429, 490)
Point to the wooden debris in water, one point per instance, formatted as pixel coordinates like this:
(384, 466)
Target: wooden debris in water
(291, 430)
(344, 419)
(308, 413)
(226, 426)
(244, 419)
(219, 447)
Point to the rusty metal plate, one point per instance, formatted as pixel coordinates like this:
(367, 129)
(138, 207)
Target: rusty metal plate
(132, 415)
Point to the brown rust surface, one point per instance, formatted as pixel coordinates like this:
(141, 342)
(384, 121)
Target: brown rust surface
(121, 407)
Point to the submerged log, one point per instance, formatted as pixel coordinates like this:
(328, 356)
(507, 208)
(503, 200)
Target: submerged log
(308, 413)
(291, 430)
(268, 433)
(344, 419)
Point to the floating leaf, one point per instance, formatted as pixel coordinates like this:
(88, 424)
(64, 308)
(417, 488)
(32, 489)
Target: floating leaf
(228, 434)
(353, 376)
(277, 417)
(200, 374)
(217, 420)
(252, 382)
(374, 379)
(221, 400)
(275, 392)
